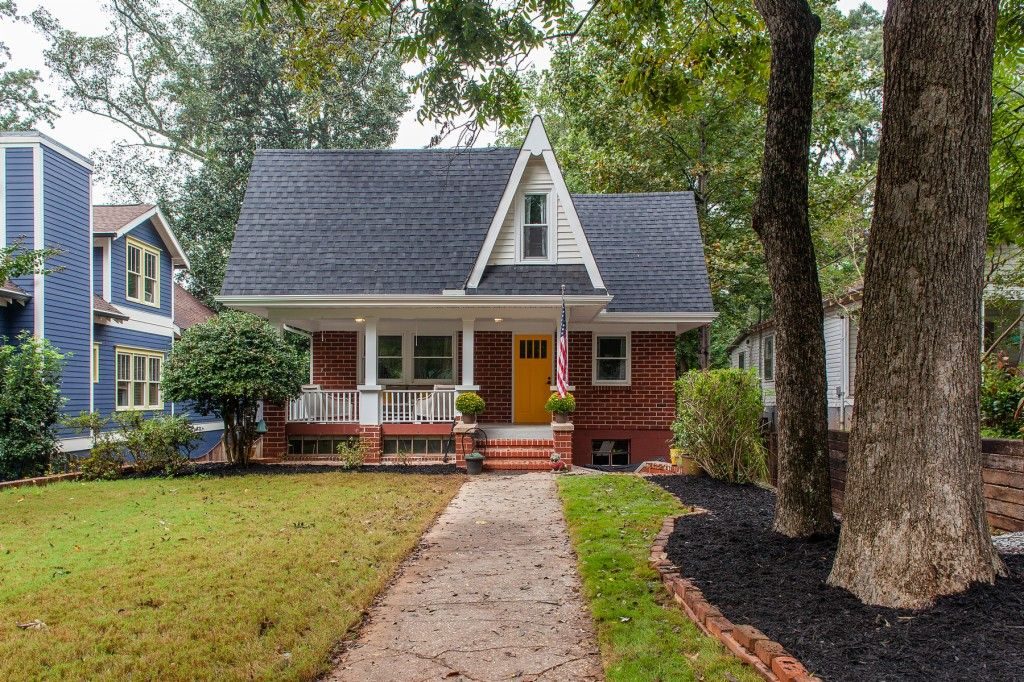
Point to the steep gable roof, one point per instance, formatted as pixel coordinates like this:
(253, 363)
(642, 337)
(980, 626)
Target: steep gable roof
(116, 220)
(649, 249)
(364, 222)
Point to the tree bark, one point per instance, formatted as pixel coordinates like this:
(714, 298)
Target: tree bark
(914, 517)
(804, 504)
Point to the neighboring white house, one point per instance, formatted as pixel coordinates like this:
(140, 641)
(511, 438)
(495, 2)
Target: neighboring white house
(755, 349)
(1003, 326)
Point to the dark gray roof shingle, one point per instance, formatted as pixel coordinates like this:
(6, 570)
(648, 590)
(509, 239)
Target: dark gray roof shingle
(536, 280)
(413, 222)
(648, 249)
(364, 222)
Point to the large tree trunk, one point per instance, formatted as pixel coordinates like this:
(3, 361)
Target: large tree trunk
(804, 504)
(914, 518)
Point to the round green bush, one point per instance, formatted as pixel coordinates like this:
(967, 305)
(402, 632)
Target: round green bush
(558, 405)
(469, 403)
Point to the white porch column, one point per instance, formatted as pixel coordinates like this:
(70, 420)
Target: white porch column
(468, 383)
(369, 391)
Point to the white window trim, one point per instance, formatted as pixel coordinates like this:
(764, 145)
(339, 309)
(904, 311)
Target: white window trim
(133, 353)
(153, 251)
(96, 364)
(409, 360)
(629, 360)
(520, 226)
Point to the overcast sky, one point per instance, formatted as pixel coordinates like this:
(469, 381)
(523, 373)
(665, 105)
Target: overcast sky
(88, 133)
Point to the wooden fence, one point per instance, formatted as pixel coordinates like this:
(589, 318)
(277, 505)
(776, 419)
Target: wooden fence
(1002, 474)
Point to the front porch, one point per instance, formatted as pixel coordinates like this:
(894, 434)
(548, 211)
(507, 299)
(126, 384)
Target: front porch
(393, 382)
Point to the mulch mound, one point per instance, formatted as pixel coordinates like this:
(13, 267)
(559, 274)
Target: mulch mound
(757, 577)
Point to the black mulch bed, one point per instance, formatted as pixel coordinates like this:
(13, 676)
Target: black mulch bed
(776, 584)
(224, 469)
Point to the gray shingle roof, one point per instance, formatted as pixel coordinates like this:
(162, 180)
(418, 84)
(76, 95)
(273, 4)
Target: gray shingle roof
(413, 222)
(536, 280)
(648, 249)
(364, 222)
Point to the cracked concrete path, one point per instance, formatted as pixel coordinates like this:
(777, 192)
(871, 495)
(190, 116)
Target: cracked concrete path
(492, 593)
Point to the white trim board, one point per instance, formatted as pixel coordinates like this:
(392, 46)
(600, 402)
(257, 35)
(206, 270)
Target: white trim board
(163, 228)
(536, 144)
(34, 137)
(38, 242)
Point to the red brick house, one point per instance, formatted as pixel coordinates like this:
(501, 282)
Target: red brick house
(418, 274)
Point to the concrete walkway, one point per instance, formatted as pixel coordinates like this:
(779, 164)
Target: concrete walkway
(492, 594)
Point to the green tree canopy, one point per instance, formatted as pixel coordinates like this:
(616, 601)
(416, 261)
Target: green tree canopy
(22, 106)
(198, 90)
(226, 366)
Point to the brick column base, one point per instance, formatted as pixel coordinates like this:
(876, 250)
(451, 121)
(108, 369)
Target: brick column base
(275, 443)
(463, 444)
(562, 434)
(370, 435)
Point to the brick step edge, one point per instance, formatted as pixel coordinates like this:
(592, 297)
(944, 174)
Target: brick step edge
(517, 465)
(518, 453)
(746, 642)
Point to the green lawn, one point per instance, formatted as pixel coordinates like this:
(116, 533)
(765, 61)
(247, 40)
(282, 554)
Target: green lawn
(643, 635)
(249, 577)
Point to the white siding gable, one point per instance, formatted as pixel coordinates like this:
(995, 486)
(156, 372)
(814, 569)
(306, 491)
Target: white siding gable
(536, 180)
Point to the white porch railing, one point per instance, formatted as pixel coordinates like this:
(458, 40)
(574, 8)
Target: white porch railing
(407, 406)
(325, 407)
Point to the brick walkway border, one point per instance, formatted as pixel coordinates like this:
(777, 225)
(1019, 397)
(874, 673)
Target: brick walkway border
(748, 643)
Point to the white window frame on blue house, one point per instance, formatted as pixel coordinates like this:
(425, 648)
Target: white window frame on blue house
(134, 378)
(145, 277)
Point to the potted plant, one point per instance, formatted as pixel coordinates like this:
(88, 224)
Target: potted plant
(474, 463)
(560, 408)
(470, 405)
(687, 465)
(556, 462)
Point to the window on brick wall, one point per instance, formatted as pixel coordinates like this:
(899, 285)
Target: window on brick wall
(610, 452)
(611, 360)
(415, 358)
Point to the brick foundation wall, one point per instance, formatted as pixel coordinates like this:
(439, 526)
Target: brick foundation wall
(492, 371)
(335, 360)
(371, 437)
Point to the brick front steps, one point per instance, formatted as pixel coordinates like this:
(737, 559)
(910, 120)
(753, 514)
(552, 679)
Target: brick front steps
(518, 454)
(748, 643)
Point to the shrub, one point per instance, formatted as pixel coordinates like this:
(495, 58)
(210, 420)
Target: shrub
(160, 444)
(559, 405)
(352, 453)
(226, 366)
(1002, 390)
(105, 461)
(470, 403)
(30, 402)
(718, 423)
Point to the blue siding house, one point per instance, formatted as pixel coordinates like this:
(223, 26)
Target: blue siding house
(109, 304)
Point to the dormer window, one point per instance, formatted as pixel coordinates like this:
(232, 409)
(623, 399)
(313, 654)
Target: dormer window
(534, 240)
(143, 273)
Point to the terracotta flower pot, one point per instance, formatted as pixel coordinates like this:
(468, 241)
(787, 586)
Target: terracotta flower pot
(560, 417)
(469, 419)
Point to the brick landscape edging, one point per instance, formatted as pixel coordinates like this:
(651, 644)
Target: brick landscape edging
(40, 480)
(746, 642)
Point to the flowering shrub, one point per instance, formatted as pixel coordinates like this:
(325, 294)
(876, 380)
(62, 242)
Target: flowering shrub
(470, 403)
(559, 405)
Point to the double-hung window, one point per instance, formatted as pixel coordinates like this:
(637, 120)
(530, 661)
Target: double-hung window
(416, 358)
(143, 268)
(433, 358)
(741, 362)
(138, 379)
(534, 239)
(611, 360)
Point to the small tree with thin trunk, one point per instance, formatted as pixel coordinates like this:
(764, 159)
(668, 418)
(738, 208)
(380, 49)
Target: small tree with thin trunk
(914, 517)
(226, 367)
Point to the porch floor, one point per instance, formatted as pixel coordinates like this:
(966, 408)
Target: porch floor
(517, 431)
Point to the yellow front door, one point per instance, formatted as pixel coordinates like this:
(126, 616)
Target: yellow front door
(531, 372)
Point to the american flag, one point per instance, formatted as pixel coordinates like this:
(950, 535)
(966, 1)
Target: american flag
(562, 366)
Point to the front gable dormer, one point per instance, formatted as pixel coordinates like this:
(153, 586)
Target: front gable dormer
(536, 222)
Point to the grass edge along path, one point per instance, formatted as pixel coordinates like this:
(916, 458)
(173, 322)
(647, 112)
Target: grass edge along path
(642, 633)
(237, 577)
